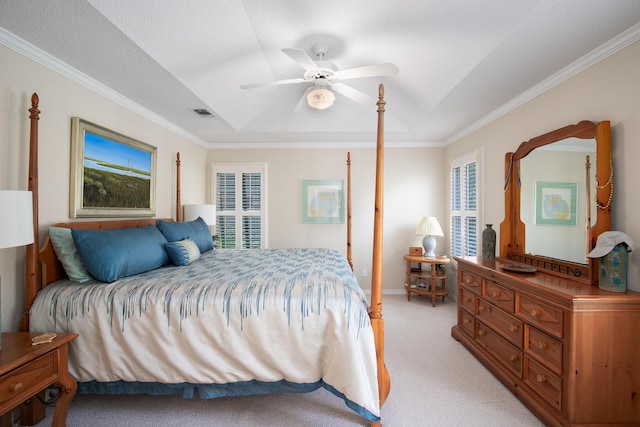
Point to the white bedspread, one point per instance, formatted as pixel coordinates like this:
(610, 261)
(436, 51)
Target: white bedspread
(241, 318)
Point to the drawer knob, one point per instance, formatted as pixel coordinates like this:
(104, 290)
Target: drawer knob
(514, 357)
(467, 299)
(541, 378)
(468, 281)
(535, 313)
(513, 328)
(482, 308)
(495, 294)
(466, 321)
(542, 345)
(482, 332)
(16, 387)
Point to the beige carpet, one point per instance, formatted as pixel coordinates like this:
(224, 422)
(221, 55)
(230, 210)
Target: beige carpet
(434, 382)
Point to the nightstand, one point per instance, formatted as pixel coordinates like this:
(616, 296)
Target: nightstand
(26, 370)
(430, 278)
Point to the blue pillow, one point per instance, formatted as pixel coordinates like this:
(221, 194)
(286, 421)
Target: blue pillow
(183, 252)
(111, 254)
(196, 230)
(65, 249)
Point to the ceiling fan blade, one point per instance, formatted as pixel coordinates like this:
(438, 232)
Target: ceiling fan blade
(301, 58)
(273, 83)
(354, 94)
(367, 71)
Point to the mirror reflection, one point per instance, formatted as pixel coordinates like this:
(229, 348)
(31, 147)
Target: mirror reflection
(557, 203)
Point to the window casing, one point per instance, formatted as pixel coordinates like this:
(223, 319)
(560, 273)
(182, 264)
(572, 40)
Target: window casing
(465, 207)
(239, 193)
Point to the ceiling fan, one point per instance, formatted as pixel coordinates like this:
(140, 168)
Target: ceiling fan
(326, 77)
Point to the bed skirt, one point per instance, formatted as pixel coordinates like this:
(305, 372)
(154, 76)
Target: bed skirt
(212, 391)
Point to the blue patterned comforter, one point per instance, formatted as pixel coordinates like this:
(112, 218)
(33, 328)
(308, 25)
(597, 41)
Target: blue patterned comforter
(233, 322)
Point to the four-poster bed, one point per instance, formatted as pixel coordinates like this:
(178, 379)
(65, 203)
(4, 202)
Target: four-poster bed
(356, 372)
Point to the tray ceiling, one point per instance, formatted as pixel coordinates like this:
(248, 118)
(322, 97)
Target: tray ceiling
(461, 63)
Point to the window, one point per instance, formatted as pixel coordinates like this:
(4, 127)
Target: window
(465, 201)
(238, 191)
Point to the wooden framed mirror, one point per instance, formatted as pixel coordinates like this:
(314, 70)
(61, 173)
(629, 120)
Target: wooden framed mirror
(558, 199)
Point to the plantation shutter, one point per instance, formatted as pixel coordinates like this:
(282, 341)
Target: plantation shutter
(464, 209)
(239, 196)
(225, 208)
(456, 215)
(471, 208)
(251, 211)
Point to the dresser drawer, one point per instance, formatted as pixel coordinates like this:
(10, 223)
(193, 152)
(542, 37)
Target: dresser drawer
(504, 351)
(471, 281)
(468, 300)
(466, 322)
(34, 375)
(544, 316)
(544, 348)
(544, 382)
(499, 295)
(505, 324)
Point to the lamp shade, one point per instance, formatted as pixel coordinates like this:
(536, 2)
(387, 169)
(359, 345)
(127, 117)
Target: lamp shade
(320, 98)
(16, 218)
(429, 226)
(206, 212)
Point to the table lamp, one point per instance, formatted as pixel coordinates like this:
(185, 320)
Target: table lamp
(16, 224)
(429, 228)
(206, 212)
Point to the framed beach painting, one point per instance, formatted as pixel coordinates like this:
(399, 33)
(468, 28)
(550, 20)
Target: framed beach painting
(322, 201)
(556, 203)
(112, 175)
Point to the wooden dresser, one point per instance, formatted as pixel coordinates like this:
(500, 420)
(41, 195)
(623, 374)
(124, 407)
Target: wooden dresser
(568, 350)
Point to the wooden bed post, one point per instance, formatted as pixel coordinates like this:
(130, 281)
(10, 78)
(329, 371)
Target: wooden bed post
(349, 255)
(178, 203)
(375, 311)
(32, 282)
(33, 411)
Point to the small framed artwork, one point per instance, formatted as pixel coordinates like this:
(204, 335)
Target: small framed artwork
(112, 175)
(322, 201)
(556, 203)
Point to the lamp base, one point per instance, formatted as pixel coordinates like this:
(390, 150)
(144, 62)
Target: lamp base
(429, 245)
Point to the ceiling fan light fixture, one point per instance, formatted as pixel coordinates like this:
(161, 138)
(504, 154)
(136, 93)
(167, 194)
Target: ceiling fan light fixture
(320, 98)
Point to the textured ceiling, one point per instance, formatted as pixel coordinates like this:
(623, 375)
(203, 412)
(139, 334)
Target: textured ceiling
(461, 62)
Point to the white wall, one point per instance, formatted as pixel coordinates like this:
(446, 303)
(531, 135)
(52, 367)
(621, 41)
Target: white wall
(61, 99)
(609, 90)
(413, 188)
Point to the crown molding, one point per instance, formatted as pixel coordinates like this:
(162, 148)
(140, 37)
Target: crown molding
(319, 144)
(43, 58)
(612, 46)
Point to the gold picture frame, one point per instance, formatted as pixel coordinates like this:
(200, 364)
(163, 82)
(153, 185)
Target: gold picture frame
(112, 175)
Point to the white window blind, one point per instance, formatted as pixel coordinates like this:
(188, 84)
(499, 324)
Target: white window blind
(239, 193)
(464, 209)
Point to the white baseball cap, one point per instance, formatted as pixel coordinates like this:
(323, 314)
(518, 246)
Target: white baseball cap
(607, 241)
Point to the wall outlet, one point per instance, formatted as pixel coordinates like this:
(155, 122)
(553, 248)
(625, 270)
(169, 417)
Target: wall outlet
(364, 272)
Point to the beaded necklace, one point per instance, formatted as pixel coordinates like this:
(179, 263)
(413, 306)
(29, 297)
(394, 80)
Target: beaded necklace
(609, 184)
